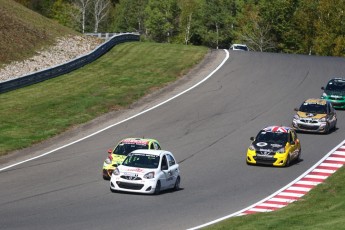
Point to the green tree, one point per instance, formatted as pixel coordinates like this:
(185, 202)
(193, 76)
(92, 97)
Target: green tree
(130, 15)
(64, 13)
(82, 6)
(44, 7)
(217, 23)
(253, 30)
(278, 15)
(330, 28)
(162, 19)
(304, 30)
(189, 13)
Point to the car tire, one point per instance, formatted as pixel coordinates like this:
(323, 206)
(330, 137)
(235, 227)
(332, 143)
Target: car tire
(177, 184)
(327, 129)
(335, 126)
(287, 163)
(106, 177)
(298, 159)
(158, 188)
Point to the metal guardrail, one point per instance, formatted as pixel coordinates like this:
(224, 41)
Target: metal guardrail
(105, 36)
(69, 66)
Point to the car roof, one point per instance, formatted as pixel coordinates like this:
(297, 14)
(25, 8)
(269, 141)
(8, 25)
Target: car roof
(237, 44)
(337, 79)
(150, 151)
(316, 101)
(136, 140)
(277, 129)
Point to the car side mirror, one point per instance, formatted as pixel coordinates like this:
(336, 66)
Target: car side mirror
(252, 138)
(115, 165)
(110, 151)
(323, 88)
(164, 167)
(296, 109)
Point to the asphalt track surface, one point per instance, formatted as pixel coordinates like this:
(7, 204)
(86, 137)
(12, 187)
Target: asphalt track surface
(207, 129)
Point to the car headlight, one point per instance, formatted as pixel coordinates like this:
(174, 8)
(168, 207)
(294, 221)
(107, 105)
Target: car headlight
(323, 119)
(107, 161)
(251, 147)
(116, 171)
(149, 175)
(281, 150)
(296, 117)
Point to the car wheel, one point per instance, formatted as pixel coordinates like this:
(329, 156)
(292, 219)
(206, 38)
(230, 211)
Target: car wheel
(158, 188)
(287, 163)
(177, 184)
(327, 129)
(299, 155)
(105, 177)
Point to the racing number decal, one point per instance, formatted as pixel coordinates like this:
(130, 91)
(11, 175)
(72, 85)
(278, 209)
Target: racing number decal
(170, 176)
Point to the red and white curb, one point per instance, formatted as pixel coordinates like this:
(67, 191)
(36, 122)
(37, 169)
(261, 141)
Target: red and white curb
(292, 192)
(318, 173)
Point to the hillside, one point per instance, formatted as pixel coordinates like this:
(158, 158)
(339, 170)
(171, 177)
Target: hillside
(23, 32)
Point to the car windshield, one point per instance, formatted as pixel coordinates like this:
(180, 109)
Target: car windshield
(241, 48)
(142, 161)
(336, 85)
(272, 137)
(313, 108)
(125, 148)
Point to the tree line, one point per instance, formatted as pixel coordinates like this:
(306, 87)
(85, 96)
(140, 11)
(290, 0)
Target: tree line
(314, 27)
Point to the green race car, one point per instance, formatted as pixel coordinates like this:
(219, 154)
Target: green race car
(122, 149)
(335, 92)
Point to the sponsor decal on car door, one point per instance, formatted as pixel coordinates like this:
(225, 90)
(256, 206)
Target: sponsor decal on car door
(166, 173)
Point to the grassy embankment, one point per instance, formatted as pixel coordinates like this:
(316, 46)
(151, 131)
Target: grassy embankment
(35, 113)
(126, 73)
(23, 32)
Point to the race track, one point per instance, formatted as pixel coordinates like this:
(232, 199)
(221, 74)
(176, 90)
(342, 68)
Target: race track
(207, 129)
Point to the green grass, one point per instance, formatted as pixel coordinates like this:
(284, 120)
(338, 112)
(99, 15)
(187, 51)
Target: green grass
(116, 80)
(322, 208)
(24, 32)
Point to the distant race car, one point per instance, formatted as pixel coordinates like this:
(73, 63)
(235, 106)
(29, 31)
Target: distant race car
(121, 150)
(335, 92)
(146, 171)
(275, 146)
(241, 47)
(315, 115)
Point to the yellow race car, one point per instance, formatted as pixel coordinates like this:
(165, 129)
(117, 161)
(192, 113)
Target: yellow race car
(275, 146)
(122, 149)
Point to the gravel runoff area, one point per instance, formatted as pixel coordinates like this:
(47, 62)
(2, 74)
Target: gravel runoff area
(65, 49)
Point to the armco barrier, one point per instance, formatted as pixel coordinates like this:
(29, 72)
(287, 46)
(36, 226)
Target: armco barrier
(69, 66)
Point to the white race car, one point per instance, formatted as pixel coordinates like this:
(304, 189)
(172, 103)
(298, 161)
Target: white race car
(241, 47)
(146, 171)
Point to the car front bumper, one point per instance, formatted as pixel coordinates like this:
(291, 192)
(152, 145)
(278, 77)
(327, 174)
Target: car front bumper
(316, 127)
(147, 186)
(278, 160)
